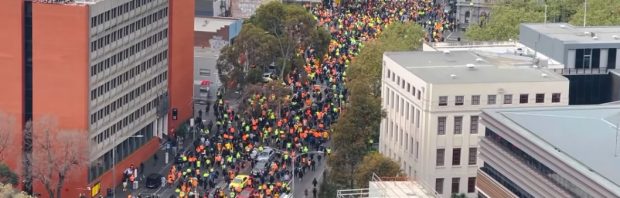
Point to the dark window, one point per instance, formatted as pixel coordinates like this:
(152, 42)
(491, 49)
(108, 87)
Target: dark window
(439, 185)
(611, 58)
(579, 58)
(540, 98)
(441, 125)
(507, 98)
(596, 58)
(491, 99)
(456, 156)
(455, 184)
(523, 98)
(458, 124)
(475, 100)
(473, 125)
(473, 156)
(439, 161)
(443, 100)
(555, 97)
(459, 100)
(471, 184)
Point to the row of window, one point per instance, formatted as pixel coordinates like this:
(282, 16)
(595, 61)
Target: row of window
(135, 71)
(492, 99)
(400, 136)
(121, 101)
(471, 185)
(122, 55)
(406, 109)
(117, 11)
(456, 156)
(111, 131)
(401, 83)
(458, 125)
(128, 29)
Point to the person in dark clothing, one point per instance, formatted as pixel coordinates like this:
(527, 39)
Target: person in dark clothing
(314, 182)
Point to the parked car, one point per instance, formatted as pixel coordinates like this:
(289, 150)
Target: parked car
(260, 168)
(266, 155)
(153, 180)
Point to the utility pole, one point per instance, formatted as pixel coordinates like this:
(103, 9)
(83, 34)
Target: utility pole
(585, 12)
(545, 13)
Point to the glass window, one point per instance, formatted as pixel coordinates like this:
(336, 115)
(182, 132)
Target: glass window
(523, 98)
(491, 99)
(443, 100)
(507, 98)
(475, 100)
(555, 97)
(456, 156)
(458, 124)
(439, 185)
(441, 125)
(439, 161)
(473, 124)
(473, 156)
(540, 98)
(459, 100)
(471, 184)
(455, 185)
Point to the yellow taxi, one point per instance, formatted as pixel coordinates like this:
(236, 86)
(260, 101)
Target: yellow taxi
(240, 182)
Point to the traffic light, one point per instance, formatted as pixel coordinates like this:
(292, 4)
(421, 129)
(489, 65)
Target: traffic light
(175, 113)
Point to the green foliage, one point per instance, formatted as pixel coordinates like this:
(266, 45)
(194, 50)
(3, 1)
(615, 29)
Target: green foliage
(461, 195)
(375, 163)
(254, 76)
(7, 176)
(7, 190)
(505, 19)
(600, 13)
(327, 189)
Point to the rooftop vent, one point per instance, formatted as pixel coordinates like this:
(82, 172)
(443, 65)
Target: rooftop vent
(479, 59)
(453, 76)
(446, 51)
(470, 66)
(587, 33)
(534, 66)
(615, 36)
(544, 75)
(595, 37)
(563, 26)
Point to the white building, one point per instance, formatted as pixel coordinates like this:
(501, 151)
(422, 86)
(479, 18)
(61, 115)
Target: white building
(433, 101)
(569, 151)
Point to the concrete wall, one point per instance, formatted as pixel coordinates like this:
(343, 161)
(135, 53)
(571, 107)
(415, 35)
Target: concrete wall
(615, 86)
(60, 73)
(544, 44)
(181, 59)
(12, 78)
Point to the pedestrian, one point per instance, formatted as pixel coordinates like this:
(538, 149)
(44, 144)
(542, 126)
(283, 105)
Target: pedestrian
(306, 193)
(314, 182)
(314, 192)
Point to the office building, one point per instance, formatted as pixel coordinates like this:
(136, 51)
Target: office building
(569, 151)
(433, 101)
(584, 55)
(104, 67)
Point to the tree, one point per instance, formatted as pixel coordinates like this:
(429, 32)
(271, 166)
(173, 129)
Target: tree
(505, 20)
(7, 176)
(378, 164)
(599, 13)
(57, 151)
(6, 128)
(7, 190)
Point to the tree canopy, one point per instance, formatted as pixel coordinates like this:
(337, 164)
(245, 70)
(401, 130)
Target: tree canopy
(503, 23)
(378, 164)
(7, 176)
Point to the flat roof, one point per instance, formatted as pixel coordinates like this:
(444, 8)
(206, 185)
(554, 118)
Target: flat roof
(451, 68)
(586, 135)
(574, 34)
(397, 189)
(207, 24)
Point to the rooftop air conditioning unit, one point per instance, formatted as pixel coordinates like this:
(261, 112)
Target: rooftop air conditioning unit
(544, 75)
(446, 51)
(470, 66)
(453, 76)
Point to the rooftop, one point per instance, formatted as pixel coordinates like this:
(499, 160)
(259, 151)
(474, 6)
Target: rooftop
(583, 137)
(397, 189)
(461, 67)
(211, 24)
(573, 34)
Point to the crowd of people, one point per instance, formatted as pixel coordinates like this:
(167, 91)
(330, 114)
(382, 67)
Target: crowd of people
(295, 126)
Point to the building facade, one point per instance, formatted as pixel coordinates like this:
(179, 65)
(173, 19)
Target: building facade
(472, 12)
(550, 152)
(111, 69)
(433, 101)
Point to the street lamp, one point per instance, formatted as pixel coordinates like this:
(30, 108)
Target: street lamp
(114, 161)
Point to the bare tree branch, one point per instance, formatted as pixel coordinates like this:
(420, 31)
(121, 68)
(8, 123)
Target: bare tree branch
(7, 125)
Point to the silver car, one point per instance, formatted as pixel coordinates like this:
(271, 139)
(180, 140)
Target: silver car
(266, 155)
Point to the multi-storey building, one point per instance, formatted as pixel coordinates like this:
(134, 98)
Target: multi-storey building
(109, 68)
(433, 101)
(472, 12)
(567, 151)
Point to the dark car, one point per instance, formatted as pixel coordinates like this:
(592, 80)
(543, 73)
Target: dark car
(153, 180)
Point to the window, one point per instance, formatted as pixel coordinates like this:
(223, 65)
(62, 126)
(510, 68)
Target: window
(491, 99)
(205, 72)
(439, 185)
(458, 124)
(459, 100)
(443, 100)
(471, 184)
(455, 185)
(523, 98)
(507, 98)
(456, 156)
(408, 87)
(473, 125)
(555, 97)
(388, 73)
(419, 94)
(473, 156)
(440, 157)
(475, 100)
(417, 146)
(441, 125)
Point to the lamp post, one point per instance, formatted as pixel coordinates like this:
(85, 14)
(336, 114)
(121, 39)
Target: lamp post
(114, 161)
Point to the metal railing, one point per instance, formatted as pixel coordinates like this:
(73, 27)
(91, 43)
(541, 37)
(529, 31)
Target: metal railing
(578, 71)
(472, 44)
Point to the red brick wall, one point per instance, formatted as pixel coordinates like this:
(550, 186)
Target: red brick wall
(201, 39)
